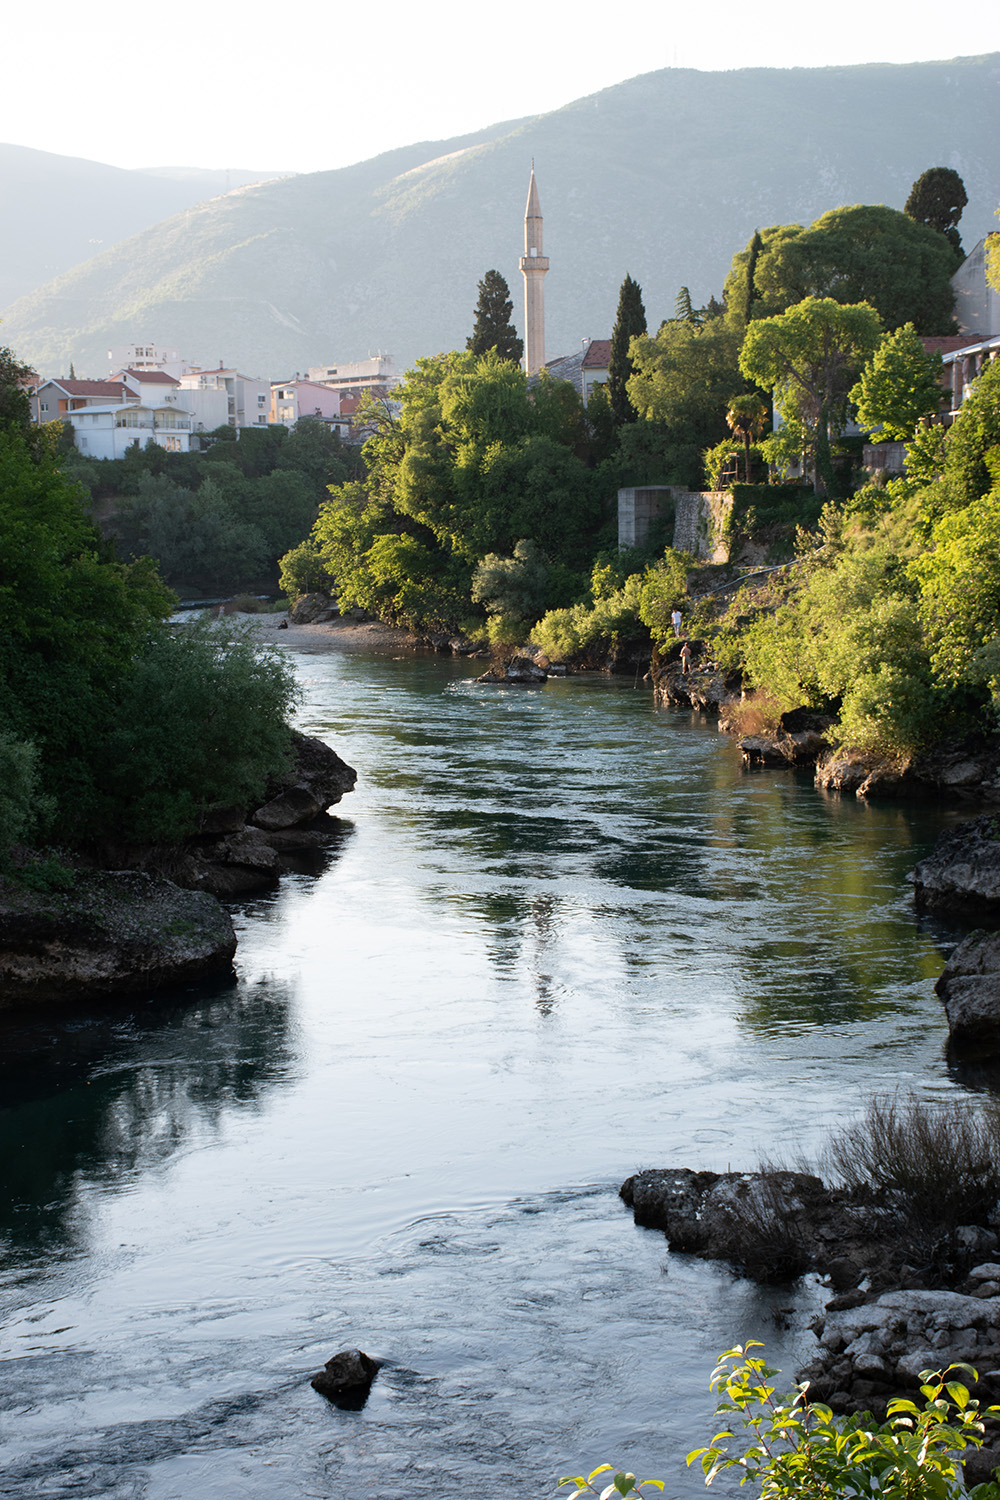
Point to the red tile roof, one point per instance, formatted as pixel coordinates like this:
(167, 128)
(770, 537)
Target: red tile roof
(152, 377)
(88, 387)
(598, 355)
(947, 343)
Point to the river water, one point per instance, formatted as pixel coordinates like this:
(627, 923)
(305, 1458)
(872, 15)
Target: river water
(563, 937)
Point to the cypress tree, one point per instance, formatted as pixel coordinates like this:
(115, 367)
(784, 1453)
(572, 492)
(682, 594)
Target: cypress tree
(752, 294)
(629, 324)
(937, 199)
(493, 328)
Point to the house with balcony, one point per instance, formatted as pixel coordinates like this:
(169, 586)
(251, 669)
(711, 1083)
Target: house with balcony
(248, 401)
(107, 431)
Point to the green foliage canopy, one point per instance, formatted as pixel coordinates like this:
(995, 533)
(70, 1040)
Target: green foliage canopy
(899, 386)
(865, 253)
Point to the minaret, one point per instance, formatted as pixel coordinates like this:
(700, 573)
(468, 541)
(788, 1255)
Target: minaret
(534, 266)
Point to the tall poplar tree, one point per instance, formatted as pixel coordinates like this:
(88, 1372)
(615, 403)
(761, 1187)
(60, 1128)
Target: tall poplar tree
(629, 324)
(493, 328)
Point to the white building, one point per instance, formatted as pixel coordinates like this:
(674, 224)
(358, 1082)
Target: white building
(977, 305)
(248, 402)
(377, 374)
(147, 357)
(106, 431)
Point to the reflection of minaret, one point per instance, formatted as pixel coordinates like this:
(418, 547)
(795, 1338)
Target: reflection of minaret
(534, 266)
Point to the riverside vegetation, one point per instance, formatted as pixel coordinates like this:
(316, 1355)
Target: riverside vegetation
(483, 507)
(116, 728)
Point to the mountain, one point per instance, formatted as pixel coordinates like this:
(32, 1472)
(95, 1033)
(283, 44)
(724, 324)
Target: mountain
(664, 176)
(67, 209)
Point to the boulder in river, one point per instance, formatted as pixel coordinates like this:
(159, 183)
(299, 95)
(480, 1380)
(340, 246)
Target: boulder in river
(347, 1378)
(114, 931)
(520, 672)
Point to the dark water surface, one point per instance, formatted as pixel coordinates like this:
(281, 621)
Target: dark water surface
(563, 937)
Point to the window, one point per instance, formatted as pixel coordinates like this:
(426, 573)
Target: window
(44, 406)
(261, 400)
(261, 421)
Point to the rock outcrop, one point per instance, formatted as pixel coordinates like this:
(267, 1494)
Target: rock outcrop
(969, 989)
(962, 874)
(877, 1350)
(115, 931)
(240, 853)
(886, 1324)
(520, 672)
(313, 609)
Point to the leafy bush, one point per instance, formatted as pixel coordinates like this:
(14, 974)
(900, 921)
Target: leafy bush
(303, 571)
(22, 806)
(199, 722)
(796, 1449)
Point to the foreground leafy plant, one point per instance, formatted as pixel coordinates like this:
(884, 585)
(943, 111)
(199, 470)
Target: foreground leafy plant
(799, 1448)
(796, 1449)
(621, 1484)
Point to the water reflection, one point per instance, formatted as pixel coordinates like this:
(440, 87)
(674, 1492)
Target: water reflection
(108, 1096)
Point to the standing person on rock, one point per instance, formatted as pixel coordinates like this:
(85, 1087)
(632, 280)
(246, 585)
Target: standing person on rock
(686, 654)
(675, 620)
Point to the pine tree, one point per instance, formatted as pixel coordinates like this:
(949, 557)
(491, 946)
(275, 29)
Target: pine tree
(937, 199)
(493, 328)
(629, 324)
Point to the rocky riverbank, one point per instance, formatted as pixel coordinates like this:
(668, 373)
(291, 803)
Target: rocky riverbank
(967, 770)
(151, 916)
(901, 1305)
(113, 931)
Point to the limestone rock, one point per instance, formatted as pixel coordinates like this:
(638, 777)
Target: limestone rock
(521, 672)
(309, 608)
(969, 989)
(317, 779)
(963, 872)
(117, 930)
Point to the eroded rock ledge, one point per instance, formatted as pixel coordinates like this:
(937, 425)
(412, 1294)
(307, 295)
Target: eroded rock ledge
(115, 931)
(889, 1319)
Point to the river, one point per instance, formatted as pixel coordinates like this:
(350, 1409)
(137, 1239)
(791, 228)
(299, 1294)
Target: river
(562, 937)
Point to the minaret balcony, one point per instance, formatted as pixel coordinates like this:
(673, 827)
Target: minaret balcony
(534, 263)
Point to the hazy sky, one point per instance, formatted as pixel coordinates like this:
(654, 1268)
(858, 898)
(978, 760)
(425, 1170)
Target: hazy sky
(307, 86)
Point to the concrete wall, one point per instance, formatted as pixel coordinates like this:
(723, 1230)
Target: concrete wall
(638, 509)
(701, 519)
(977, 305)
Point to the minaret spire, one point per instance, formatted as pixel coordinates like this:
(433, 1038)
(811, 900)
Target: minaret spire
(533, 267)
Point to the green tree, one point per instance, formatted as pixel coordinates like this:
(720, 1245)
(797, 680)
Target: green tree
(937, 199)
(751, 294)
(865, 253)
(630, 323)
(899, 386)
(493, 329)
(746, 418)
(516, 586)
(808, 356)
(684, 377)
